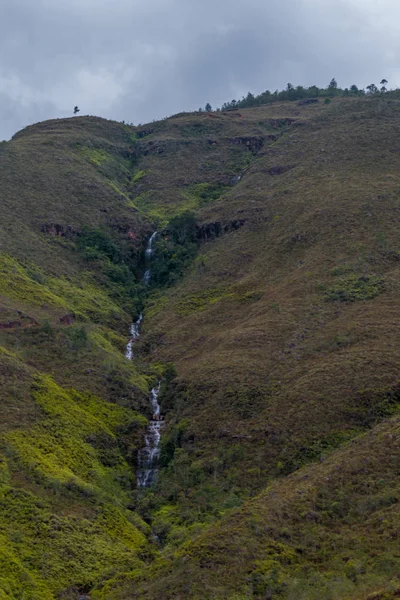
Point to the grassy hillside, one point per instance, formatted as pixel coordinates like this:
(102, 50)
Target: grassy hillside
(271, 316)
(70, 264)
(283, 332)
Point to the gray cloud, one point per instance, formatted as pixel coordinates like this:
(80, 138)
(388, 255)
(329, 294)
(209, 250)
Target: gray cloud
(136, 60)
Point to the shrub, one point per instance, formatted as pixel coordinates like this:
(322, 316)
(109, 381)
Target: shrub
(354, 287)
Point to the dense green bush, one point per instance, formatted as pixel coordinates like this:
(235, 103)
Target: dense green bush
(175, 250)
(113, 268)
(96, 244)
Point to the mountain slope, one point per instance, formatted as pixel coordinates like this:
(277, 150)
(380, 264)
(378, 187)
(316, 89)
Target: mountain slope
(271, 317)
(66, 454)
(327, 531)
(284, 331)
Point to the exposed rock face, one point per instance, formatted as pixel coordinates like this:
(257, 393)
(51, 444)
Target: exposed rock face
(254, 144)
(58, 230)
(67, 319)
(210, 231)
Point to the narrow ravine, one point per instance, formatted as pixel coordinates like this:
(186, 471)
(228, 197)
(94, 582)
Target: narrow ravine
(148, 455)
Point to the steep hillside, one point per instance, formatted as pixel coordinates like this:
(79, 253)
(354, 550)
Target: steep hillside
(271, 317)
(284, 330)
(70, 265)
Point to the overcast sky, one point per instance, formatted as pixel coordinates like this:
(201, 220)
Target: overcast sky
(138, 60)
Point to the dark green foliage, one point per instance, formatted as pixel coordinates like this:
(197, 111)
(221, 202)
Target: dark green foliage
(175, 250)
(293, 93)
(112, 264)
(171, 442)
(207, 192)
(171, 395)
(182, 228)
(97, 245)
(118, 274)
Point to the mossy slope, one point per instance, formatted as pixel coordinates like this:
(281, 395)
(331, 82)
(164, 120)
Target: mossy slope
(65, 486)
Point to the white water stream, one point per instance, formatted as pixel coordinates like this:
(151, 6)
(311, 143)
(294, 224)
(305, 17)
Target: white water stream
(149, 252)
(148, 456)
(135, 333)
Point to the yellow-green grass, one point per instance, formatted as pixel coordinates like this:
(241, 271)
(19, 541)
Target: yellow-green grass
(70, 525)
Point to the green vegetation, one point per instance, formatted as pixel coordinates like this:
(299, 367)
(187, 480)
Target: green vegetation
(175, 250)
(79, 526)
(270, 318)
(203, 193)
(202, 300)
(300, 93)
(96, 155)
(353, 288)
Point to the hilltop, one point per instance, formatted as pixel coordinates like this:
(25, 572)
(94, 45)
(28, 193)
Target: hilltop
(272, 319)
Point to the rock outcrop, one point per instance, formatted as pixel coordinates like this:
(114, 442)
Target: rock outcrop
(210, 231)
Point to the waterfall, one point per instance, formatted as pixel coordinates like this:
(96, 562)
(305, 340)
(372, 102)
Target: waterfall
(149, 249)
(135, 327)
(135, 333)
(148, 255)
(148, 456)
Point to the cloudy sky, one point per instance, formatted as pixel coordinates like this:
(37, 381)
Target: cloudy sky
(138, 60)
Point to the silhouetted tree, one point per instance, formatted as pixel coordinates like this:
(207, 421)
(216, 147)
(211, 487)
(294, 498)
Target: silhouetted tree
(208, 107)
(76, 110)
(250, 99)
(372, 89)
(333, 84)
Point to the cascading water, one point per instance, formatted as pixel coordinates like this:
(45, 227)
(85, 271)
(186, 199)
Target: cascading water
(135, 327)
(148, 456)
(149, 252)
(135, 333)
